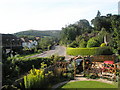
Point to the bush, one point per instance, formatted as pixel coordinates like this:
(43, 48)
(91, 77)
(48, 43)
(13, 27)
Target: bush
(91, 75)
(104, 51)
(103, 45)
(83, 43)
(74, 44)
(37, 78)
(25, 64)
(93, 43)
(89, 51)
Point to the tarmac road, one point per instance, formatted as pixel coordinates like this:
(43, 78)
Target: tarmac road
(56, 50)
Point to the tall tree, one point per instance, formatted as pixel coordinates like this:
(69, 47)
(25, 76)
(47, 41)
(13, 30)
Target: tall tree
(98, 14)
(84, 25)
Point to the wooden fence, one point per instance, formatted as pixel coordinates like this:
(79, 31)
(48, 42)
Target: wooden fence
(98, 67)
(101, 58)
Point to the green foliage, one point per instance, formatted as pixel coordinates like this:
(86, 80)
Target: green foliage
(40, 78)
(104, 26)
(102, 22)
(74, 44)
(57, 58)
(81, 51)
(104, 51)
(83, 43)
(46, 43)
(36, 33)
(91, 75)
(70, 70)
(14, 67)
(89, 51)
(70, 32)
(10, 72)
(84, 26)
(103, 45)
(35, 79)
(28, 51)
(25, 64)
(93, 42)
(115, 25)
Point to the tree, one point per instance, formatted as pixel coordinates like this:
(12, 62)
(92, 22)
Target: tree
(98, 14)
(102, 22)
(70, 32)
(116, 26)
(45, 43)
(84, 25)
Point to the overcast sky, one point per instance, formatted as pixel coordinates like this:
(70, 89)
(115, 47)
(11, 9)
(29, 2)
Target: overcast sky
(21, 15)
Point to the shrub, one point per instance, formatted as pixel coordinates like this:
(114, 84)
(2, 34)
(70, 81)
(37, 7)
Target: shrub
(39, 51)
(104, 51)
(103, 45)
(34, 79)
(74, 44)
(25, 64)
(37, 78)
(93, 43)
(91, 75)
(83, 43)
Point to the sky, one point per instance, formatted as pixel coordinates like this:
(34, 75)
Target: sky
(21, 15)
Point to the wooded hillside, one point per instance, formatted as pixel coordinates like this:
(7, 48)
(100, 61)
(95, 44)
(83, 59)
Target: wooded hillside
(52, 33)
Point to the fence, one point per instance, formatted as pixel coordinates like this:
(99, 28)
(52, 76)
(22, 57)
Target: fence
(98, 67)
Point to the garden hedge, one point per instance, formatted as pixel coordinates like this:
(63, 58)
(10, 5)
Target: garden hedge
(25, 64)
(89, 51)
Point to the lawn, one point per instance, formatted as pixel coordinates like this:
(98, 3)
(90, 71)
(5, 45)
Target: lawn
(88, 84)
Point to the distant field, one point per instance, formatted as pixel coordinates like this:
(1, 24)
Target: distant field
(88, 84)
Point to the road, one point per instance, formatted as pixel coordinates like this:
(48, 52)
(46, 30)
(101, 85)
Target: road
(57, 50)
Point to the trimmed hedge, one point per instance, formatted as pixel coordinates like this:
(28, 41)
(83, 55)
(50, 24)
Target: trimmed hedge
(25, 64)
(81, 51)
(89, 51)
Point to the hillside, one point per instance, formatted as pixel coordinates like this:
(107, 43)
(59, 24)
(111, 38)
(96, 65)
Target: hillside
(52, 33)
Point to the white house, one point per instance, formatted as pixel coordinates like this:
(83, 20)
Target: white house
(30, 44)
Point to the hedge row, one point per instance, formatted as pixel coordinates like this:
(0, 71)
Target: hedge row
(89, 51)
(25, 64)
